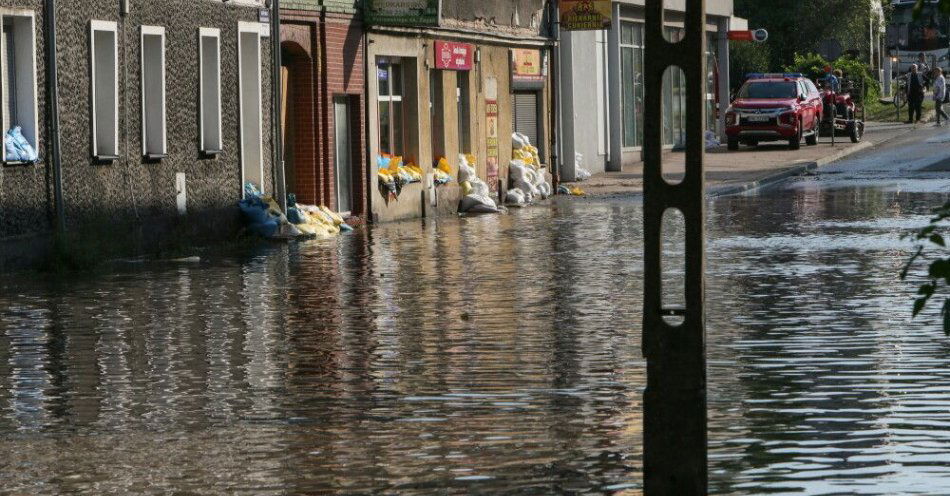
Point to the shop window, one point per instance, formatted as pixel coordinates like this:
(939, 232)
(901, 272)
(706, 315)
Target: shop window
(153, 92)
(631, 59)
(18, 61)
(392, 128)
(463, 93)
(249, 87)
(712, 59)
(209, 51)
(674, 98)
(105, 91)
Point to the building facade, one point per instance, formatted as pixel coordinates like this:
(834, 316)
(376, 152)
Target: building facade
(323, 108)
(454, 77)
(164, 110)
(601, 93)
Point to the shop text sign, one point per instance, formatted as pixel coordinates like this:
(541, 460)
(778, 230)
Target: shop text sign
(454, 56)
(581, 15)
(491, 159)
(401, 12)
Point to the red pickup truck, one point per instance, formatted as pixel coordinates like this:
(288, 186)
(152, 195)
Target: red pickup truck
(774, 107)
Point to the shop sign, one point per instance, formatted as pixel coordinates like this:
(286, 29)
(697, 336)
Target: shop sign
(526, 69)
(584, 15)
(454, 56)
(491, 114)
(402, 12)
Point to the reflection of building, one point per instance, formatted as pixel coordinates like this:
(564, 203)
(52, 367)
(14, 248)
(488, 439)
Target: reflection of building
(323, 104)
(602, 85)
(447, 81)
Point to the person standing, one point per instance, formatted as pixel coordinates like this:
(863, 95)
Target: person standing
(940, 94)
(924, 69)
(915, 94)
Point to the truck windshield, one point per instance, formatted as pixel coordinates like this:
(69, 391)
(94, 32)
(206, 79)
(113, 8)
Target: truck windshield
(769, 89)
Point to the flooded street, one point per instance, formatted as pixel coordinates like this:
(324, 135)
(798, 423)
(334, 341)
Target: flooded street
(483, 354)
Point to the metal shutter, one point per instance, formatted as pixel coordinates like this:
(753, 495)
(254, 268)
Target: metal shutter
(526, 115)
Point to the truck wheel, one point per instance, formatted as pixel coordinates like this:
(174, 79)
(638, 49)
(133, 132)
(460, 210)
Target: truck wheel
(796, 142)
(732, 143)
(856, 131)
(812, 139)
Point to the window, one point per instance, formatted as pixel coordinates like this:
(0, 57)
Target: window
(209, 53)
(712, 59)
(391, 126)
(105, 90)
(674, 98)
(249, 87)
(465, 113)
(437, 113)
(18, 63)
(631, 59)
(153, 91)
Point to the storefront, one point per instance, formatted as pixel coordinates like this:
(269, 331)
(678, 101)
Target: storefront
(608, 135)
(437, 93)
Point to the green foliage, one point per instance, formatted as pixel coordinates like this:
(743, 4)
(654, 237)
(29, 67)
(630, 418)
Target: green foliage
(813, 66)
(745, 58)
(938, 271)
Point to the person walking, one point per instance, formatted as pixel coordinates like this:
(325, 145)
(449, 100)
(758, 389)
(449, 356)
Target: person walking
(940, 94)
(915, 95)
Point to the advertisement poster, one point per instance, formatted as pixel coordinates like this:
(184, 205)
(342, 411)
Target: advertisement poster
(526, 69)
(401, 12)
(585, 15)
(491, 114)
(454, 56)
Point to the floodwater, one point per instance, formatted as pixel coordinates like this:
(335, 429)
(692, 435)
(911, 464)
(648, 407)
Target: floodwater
(482, 355)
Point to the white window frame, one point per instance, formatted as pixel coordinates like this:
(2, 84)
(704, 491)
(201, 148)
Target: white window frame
(250, 27)
(153, 31)
(112, 27)
(202, 34)
(31, 135)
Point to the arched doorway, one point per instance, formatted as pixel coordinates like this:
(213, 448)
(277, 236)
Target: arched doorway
(297, 115)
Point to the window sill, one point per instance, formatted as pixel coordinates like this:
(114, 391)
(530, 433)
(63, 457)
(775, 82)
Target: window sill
(15, 163)
(154, 157)
(105, 159)
(210, 153)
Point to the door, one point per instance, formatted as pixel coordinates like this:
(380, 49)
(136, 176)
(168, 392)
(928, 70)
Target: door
(343, 155)
(526, 116)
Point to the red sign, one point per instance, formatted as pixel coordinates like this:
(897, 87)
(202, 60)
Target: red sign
(758, 35)
(454, 56)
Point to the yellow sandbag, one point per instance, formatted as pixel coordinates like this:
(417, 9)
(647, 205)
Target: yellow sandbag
(444, 166)
(394, 165)
(466, 188)
(471, 160)
(577, 191)
(332, 215)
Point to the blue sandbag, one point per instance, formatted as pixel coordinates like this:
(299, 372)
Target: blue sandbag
(345, 227)
(293, 215)
(265, 229)
(255, 213)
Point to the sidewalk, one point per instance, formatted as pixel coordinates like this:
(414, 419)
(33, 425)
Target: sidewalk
(749, 168)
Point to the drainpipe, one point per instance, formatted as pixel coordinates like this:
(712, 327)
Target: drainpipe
(280, 184)
(52, 91)
(369, 160)
(556, 157)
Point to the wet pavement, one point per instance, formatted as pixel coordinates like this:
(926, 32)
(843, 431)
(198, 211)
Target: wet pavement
(492, 354)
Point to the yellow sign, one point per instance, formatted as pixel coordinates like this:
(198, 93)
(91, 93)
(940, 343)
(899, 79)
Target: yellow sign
(526, 63)
(580, 15)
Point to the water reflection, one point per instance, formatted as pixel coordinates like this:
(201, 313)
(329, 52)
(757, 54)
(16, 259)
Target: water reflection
(480, 354)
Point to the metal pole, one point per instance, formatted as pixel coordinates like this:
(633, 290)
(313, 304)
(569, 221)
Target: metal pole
(557, 158)
(278, 135)
(52, 91)
(674, 447)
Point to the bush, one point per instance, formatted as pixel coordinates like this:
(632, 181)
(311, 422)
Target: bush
(813, 66)
(745, 58)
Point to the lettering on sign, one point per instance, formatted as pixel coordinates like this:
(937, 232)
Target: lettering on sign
(453, 56)
(581, 15)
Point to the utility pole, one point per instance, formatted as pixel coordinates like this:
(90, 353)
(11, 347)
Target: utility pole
(674, 444)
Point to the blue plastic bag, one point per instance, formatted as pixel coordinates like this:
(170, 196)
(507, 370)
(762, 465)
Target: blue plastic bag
(17, 147)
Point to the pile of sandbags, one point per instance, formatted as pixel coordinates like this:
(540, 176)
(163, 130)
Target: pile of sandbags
(312, 220)
(442, 173)
(526, 181)
(393, 175)
(476, 197)
(263, 215)
(580, 173)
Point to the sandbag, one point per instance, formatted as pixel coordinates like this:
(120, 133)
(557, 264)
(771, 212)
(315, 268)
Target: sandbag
(477, 204)
(515, 197)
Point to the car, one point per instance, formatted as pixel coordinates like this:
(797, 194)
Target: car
(774, 107)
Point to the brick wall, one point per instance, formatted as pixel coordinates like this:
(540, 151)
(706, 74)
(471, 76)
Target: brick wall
(343, 75)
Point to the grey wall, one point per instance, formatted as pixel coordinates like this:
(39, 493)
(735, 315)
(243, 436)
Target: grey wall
(24, 189)
(131, 187)
(579, 97)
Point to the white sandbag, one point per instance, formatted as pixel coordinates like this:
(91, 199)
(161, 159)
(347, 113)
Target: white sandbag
(527, 187)
(466, 173)
(515, 197)
(545, 189)
(479, 188)
(517, 170)
(518, 141)
(477, 204)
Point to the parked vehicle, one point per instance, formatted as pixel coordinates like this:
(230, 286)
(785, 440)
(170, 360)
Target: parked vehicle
(774, 107)
(841, 111)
